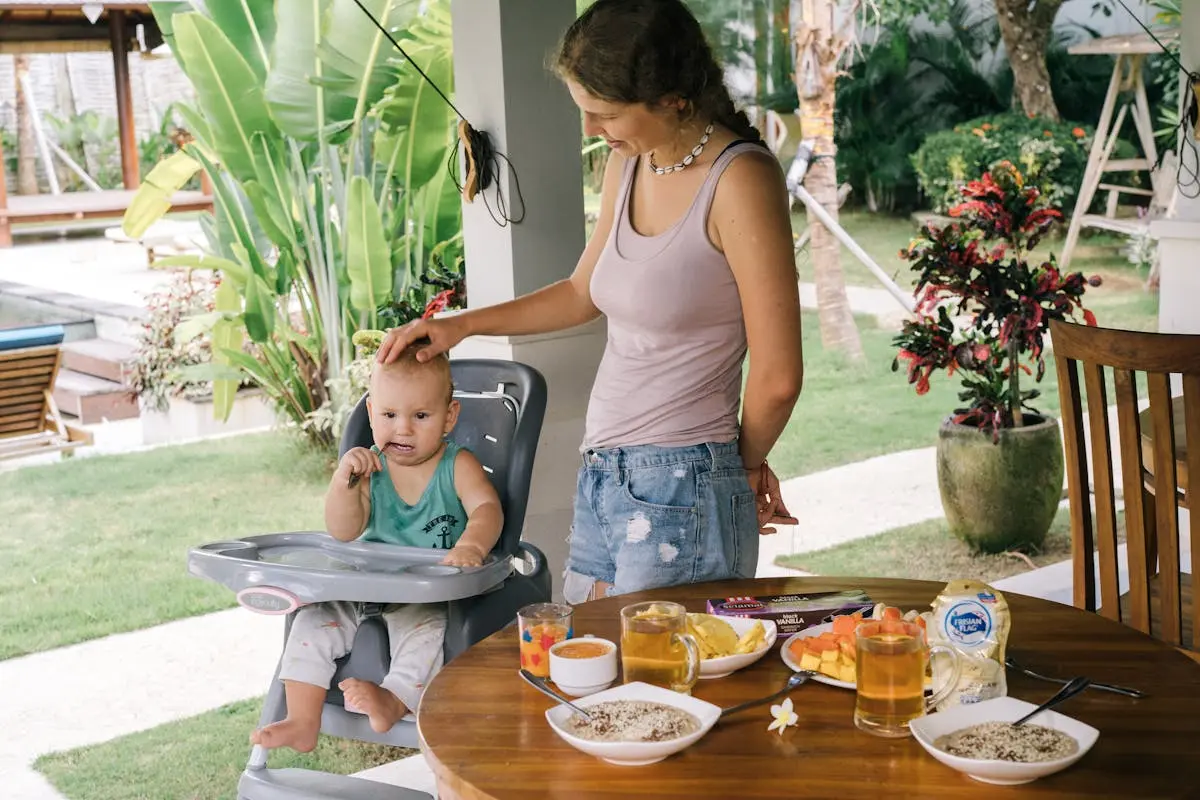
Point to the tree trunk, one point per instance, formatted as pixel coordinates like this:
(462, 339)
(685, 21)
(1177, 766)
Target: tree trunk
(26, 146)
(65, 102)
(1027, 28)
(818, 51)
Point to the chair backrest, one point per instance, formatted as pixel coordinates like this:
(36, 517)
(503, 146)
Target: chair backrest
(26, 380)
(503, 404)
(1151, 448)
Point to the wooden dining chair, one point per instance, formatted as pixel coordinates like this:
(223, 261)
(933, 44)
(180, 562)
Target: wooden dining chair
(1158, 453)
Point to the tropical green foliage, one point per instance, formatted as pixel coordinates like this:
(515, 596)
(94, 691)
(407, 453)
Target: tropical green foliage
(327, 152)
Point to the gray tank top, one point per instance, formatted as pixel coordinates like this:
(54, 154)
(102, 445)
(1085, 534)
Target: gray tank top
(671, 374)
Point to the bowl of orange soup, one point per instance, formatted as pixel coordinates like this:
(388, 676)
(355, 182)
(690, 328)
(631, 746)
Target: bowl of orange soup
(583, 665)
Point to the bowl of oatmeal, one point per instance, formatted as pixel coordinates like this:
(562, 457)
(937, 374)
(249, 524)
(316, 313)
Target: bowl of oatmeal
(634, 724)
(980, 741)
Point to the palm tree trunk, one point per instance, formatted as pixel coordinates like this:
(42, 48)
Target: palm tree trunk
(1026, 28)
(818, 49)
(26, 147)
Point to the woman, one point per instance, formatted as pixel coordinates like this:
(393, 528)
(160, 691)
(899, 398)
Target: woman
(691, 262)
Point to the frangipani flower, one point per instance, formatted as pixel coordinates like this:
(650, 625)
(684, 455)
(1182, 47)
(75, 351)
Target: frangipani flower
(784, 716)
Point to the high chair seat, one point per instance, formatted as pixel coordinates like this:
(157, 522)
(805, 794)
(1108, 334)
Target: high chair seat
(503, 404)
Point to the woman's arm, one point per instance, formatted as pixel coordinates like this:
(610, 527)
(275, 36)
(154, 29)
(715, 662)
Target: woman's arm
(752, 221)
(563, 304)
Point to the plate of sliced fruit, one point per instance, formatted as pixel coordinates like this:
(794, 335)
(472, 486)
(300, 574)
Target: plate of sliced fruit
(829, 650)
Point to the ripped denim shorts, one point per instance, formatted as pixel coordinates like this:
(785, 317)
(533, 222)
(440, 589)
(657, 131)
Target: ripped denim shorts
(649, 516)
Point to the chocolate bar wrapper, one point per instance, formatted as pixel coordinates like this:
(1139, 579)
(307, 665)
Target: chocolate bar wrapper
(794, 612)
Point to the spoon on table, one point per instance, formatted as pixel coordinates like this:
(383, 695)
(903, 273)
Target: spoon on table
(1104, 687)
(1074, 687)
(796, 680)
(540, 685)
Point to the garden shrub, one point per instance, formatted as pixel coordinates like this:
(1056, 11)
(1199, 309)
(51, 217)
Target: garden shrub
(1052, 155)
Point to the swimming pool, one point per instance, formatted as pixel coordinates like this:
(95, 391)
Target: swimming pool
(21, 312)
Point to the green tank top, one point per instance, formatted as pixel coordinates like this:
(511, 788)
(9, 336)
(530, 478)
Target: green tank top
(437, 520)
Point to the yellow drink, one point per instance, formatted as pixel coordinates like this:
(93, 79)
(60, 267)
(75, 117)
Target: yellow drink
(890, 674)
(655, 647)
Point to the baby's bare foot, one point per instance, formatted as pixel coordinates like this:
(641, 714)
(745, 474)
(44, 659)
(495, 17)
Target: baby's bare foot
(383, 709)
(300, 735)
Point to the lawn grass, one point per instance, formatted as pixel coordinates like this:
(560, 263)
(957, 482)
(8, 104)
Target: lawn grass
(199, 758)
(1120, 301)
(849, 412)
(93, 546)
(928, 551)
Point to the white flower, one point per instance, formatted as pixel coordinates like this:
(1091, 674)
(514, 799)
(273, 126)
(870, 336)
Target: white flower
(784, 716)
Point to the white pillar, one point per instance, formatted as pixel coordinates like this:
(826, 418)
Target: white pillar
(1179, 236)
(503, 86)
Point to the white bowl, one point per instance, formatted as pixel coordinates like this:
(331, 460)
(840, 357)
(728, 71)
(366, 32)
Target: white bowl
(636, 754)
(726, 665)
(929, 728)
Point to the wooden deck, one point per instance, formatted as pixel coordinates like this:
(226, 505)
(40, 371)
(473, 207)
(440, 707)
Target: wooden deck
(108, 204)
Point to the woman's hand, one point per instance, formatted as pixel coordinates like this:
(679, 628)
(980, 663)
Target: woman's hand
(442, 333)
(769, 500)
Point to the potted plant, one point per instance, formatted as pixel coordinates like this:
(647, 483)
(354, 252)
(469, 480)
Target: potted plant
(982, 313)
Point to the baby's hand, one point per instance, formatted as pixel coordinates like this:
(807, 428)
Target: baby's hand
(359, 461)
(464, 555)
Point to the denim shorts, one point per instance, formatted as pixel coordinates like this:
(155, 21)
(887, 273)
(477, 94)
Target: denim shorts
(648, 516)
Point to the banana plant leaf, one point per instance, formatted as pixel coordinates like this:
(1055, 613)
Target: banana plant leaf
(226, 339)
(228, 92)
(153, 197)
(250, 26)
(355, 55)
(164, 12)
(296, 102)
(413, 142)
(368, 259)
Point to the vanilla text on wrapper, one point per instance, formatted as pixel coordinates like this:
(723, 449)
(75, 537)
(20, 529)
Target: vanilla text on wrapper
(792, 613)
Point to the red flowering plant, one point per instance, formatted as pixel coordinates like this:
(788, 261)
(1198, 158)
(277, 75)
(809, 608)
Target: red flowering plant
(981, 307)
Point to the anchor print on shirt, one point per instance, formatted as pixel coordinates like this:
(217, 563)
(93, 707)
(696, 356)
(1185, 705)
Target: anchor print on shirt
(445, 526)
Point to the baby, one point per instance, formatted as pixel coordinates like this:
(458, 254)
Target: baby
(418, 490)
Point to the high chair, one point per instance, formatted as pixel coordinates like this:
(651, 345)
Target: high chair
(503, 404)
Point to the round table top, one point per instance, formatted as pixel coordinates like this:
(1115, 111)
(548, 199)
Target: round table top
(484, 732)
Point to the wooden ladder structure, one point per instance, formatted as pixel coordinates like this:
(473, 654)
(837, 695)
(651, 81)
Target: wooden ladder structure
(1127, 77)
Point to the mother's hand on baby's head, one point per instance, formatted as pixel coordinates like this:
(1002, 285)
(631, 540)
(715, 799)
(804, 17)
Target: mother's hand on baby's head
(442, 334)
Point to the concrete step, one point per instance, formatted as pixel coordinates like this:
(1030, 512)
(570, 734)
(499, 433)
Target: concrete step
(101, 358)
(93, 399)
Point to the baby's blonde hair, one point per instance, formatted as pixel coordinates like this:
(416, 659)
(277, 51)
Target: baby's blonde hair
(407, 363)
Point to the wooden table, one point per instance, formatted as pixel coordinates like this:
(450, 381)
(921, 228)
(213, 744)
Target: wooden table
(484, 734)
(1146, 423)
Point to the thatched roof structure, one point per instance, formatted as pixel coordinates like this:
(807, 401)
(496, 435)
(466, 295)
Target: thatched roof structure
(62, 26)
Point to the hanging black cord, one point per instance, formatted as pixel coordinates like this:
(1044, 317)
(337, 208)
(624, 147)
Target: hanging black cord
(1187, 177)
(483, 161)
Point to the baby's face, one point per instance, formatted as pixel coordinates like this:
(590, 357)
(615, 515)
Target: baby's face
(410, 414)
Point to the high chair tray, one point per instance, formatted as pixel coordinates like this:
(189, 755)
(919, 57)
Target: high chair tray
(275, 572)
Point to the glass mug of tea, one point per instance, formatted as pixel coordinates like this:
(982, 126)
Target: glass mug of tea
(656, 648)
(891, 661)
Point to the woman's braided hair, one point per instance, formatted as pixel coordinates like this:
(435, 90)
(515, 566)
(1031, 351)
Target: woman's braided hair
(644, 51)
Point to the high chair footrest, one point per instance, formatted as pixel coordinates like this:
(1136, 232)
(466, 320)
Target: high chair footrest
(307, 784)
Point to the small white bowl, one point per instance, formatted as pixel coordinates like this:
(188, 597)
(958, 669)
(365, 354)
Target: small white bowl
(583, 676)
(727, 665)
(928, 729)
(636, 754)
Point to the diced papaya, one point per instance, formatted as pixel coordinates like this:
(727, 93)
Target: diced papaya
(820, 644)
(892, 613)
(844, 625)
(848, 648)
(797, 649)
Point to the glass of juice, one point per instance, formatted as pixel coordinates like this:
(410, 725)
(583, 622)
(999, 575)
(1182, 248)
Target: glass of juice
(656, 647)
(890, 667)
(540, 626)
